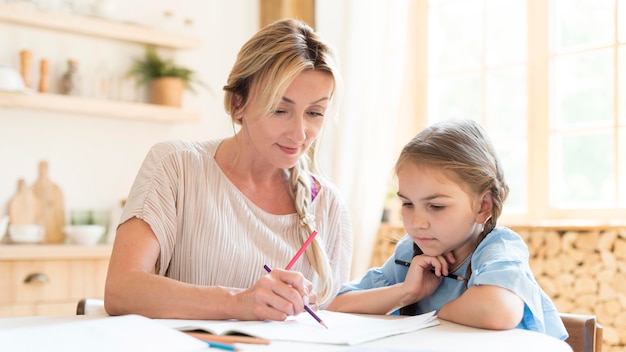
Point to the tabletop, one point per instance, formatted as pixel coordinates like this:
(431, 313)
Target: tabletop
(60, 333)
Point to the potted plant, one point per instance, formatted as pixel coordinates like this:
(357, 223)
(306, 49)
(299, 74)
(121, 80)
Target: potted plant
(166, 80)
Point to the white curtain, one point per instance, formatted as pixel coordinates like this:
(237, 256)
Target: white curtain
(360, 148)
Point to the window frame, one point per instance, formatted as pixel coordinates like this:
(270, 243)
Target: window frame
(539, 93)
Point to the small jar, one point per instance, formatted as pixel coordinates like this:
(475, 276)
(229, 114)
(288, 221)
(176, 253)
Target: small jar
(71, 81)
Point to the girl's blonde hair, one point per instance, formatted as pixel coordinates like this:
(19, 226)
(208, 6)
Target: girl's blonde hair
(463, 148)
(265, 67)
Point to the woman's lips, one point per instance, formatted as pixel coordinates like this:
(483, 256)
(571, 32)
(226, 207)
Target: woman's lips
(288, 150)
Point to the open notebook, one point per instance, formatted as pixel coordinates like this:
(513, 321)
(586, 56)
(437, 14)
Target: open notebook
(343, 328)
(127, 333)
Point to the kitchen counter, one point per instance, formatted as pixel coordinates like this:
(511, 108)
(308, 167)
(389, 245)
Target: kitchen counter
(46, 279)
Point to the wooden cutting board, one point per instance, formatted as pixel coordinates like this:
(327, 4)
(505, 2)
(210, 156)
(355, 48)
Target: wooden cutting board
(24, 206)
(51, 205)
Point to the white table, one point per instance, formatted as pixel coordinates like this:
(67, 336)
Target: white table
(446, 337)
(442, 338)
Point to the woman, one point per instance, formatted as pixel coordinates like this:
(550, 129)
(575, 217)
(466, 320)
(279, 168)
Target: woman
(203, 218)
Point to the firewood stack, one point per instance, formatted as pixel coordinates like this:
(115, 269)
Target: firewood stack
(583, 269)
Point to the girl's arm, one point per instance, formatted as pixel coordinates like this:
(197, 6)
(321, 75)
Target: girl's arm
(419, 283)
(381, 300)
(485, 306)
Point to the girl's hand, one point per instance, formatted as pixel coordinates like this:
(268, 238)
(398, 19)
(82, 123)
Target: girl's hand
(275, 296)
(426, 274)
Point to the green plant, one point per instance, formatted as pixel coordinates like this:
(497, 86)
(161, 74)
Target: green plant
(152, 66)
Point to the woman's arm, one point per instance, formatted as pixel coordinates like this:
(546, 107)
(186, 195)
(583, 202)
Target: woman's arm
(485, 306)
(133, 287)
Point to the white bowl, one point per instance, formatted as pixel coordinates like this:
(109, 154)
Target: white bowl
(87, 235)
(11, 80)
(27, 233)
(4, 224)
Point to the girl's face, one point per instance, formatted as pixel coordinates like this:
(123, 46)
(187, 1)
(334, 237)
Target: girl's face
(438, 213)
(283, 136)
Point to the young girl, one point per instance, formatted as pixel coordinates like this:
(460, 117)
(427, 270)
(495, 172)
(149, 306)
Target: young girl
(454, 258)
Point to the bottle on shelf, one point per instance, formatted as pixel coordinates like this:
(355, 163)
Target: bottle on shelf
(70, 82)
(25, 60)
(44, 81)
(102, 82)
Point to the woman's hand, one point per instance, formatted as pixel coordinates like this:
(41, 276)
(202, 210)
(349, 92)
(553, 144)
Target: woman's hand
(275, 296)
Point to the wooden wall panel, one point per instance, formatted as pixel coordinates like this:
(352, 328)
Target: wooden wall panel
(272, 10)
(583, 270)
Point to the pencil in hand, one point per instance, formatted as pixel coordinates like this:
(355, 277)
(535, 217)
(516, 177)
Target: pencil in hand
(301, 250)
(450, 275)
(309, 310)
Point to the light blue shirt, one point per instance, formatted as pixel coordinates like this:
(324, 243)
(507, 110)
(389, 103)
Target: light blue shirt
(501, 259)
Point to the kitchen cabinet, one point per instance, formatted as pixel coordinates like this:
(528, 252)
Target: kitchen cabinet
(95, 27)
(50, 279)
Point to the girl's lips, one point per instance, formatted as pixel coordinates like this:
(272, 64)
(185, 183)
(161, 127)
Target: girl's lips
(424, 240)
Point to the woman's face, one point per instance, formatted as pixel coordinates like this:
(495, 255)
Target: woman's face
(284, 135)
(437, 212)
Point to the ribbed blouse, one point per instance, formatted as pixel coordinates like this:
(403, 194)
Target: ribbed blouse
(211, 234)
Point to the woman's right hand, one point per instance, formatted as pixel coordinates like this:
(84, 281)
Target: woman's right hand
(275, 296)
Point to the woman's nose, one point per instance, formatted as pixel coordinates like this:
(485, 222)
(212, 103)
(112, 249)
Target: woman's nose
(298, 129)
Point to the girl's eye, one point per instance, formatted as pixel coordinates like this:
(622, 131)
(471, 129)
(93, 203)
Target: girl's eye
(407, 204)
(436, 207)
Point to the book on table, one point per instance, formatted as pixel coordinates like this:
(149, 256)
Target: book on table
(343, 328)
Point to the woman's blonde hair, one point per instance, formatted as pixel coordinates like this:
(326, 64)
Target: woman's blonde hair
(265, 67)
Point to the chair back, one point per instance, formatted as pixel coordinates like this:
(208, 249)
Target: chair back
(90, 306)
(585, 333)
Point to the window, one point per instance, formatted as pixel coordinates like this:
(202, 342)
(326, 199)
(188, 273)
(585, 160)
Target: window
(547, 79)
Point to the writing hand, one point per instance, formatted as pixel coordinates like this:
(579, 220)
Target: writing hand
(276, 296)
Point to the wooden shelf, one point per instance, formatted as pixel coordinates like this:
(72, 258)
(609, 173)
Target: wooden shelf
(92, 26)
(96, 107)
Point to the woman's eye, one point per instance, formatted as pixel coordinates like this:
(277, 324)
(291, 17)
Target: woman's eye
(280, 112)
(316, 113)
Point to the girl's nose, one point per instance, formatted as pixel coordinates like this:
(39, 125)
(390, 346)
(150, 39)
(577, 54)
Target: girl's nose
(418, 221)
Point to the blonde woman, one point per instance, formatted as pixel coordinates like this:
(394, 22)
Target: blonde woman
(203, 218)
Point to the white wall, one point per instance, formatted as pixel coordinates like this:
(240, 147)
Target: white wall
(94, 159)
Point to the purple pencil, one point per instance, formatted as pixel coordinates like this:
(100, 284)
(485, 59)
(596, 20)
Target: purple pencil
(309, 310)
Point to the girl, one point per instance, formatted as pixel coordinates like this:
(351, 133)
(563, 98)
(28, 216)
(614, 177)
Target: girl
(454, 258)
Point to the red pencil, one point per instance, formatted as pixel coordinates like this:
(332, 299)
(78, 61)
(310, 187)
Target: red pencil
(301, 250)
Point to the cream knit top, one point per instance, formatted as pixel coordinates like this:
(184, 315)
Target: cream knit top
(211, 234)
